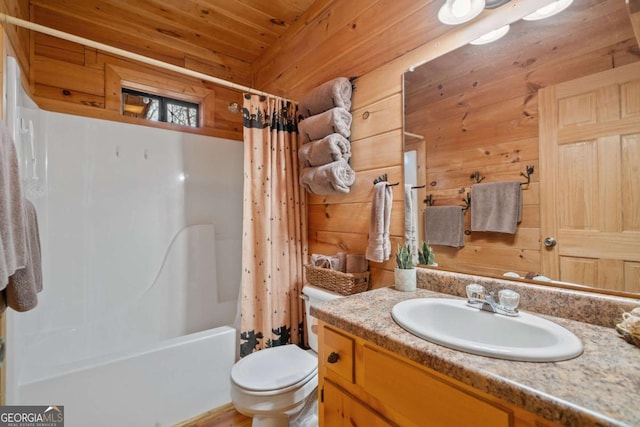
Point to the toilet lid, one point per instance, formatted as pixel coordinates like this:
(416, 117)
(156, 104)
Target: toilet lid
(274, 368)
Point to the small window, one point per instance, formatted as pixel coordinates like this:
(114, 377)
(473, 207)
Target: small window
(159, 108)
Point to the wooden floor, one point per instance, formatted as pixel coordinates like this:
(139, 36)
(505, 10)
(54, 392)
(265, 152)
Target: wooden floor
(225, 416)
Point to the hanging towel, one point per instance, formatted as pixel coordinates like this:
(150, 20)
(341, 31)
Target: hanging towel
(444, 226)
(336, 120)
(410, 229)
(13, 246)
(379, 247)
(496, 206)
(334, 93)
(21, 293)
(326, 150)
(332, 178)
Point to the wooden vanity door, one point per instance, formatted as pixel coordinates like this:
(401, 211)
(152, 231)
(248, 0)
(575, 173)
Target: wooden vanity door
(590, 179)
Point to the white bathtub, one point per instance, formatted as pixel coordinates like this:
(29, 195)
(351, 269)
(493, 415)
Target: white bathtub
(157, 386)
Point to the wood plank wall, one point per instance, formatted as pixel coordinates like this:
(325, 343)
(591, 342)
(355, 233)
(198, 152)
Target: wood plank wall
(330, 35)
(372, 40)
(70, 78)
(477, 108)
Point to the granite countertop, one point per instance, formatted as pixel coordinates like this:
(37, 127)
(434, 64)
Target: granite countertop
(599, 388)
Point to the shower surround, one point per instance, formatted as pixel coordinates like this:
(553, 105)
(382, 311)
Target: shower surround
(141, 240)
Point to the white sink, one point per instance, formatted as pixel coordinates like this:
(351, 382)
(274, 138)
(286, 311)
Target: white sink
(453, 324)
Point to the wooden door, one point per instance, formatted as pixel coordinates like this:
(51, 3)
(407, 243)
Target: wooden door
(590, 179)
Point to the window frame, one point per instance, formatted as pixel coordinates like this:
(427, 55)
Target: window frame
(163, 101)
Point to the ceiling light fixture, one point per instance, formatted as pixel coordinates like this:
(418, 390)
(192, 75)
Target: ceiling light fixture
(492, 4)
(549, 10)
(455, 12)
(491, 36)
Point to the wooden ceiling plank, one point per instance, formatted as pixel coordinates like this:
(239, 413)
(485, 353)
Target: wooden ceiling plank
(206, 26)
(288, 11)
(131, 43)
(244, 15)
(102, 17)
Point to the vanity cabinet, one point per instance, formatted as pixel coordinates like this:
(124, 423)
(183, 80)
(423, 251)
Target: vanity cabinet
(362, 384)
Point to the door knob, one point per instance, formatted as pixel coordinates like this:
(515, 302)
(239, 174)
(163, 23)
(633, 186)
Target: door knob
(550, 242)
(333, 357)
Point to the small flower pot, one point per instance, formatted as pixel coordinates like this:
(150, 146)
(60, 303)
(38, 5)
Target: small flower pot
(405, 279)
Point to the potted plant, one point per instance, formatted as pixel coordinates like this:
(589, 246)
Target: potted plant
(426, 255)
(405, 272)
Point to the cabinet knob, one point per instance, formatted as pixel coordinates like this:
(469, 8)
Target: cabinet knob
(333, 357)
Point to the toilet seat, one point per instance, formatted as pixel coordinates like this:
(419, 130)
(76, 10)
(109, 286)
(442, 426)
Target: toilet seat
(274, 370)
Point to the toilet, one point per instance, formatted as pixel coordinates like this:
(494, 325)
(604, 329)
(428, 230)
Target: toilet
(273, 385)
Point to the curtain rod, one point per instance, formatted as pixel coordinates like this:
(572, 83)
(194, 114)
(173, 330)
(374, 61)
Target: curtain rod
(7, 19)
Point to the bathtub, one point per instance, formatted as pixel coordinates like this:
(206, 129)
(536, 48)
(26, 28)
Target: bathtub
(156, 386)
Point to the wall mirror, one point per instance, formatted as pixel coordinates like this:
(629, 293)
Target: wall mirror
(474, 114)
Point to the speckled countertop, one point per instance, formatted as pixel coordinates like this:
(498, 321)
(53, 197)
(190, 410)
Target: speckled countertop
(599, 388)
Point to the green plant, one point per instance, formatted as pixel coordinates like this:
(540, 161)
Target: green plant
(403, 257)
(426, 255)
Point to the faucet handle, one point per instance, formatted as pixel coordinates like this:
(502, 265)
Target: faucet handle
(509, 299)
(475, 292)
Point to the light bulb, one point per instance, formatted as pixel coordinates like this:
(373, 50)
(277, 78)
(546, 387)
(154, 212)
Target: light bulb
(455, 12)
(549, 10)
(460, 8)
(491, 36)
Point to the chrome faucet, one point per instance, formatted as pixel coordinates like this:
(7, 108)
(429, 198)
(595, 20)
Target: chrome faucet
(478, 298)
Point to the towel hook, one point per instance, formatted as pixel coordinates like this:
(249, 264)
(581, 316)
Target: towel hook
(429, 200)
(530, 170)
(476, 177)
(383, 178)
(467, 202)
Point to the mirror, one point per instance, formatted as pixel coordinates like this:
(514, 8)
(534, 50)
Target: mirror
(476, 109)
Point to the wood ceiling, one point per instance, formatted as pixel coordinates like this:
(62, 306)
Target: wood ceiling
(218, 37)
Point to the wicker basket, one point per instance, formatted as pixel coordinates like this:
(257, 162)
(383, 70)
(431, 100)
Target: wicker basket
(336, 281)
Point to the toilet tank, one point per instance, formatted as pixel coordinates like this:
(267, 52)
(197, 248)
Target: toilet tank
(315, 295)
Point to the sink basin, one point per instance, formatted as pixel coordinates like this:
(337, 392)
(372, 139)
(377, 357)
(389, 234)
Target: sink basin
(452, 323)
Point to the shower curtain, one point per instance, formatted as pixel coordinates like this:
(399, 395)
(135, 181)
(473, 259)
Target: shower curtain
(274, 243)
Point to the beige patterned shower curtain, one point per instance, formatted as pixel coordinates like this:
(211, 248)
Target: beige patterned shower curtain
(274, 243)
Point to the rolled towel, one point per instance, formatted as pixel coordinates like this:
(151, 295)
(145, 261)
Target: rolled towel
(326, 150)
(332, 178)
(336, 120)
(334, 93)
(357, 263)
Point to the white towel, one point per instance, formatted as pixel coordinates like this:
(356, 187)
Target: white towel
(410, 231)
(326, 150)
(336, 120)
(379, 247)
(334, 93)
(332, 178)
(13, 245)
